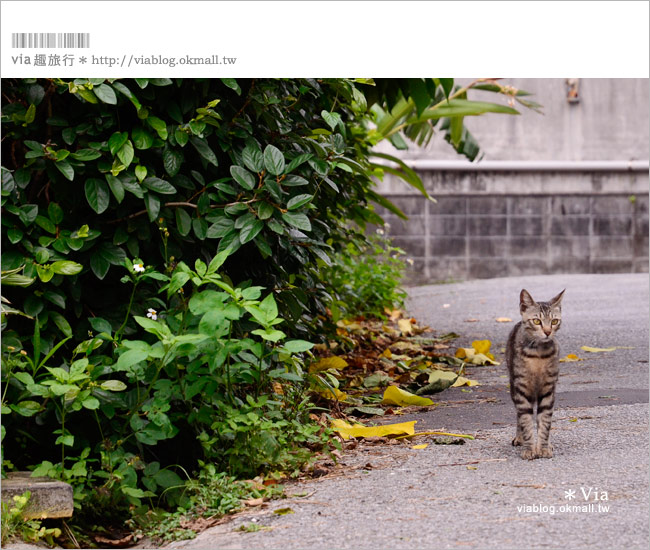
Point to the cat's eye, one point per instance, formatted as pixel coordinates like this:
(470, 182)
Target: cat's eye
(555, 321)
(537, 322)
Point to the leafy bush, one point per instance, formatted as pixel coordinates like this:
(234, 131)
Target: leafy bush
(215, 374)
(366, 277)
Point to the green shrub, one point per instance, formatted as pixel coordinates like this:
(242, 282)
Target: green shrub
(366, 278)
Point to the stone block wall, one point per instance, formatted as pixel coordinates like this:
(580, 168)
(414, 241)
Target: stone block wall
(497, 224)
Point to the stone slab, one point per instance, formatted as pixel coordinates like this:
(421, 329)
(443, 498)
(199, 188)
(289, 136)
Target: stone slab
(49, 498)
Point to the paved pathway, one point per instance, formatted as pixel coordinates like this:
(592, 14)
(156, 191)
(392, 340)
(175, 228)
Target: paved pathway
(481, 494)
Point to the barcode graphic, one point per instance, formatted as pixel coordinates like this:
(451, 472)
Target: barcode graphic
(50, 40)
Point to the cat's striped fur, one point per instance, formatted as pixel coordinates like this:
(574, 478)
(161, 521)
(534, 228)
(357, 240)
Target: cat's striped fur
(532, 354)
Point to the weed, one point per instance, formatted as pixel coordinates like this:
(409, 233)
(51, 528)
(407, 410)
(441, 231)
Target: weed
(14, 524)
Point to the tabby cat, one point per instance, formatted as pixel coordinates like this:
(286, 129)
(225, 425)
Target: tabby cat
(532, 355)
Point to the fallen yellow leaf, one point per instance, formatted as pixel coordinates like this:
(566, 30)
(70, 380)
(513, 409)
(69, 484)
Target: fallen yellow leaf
(405, 326)
(478, 354)
(462, 381)
(420, 446)
(469, 355)
(334, 394)
(328, 363)
(483, 346)
(386, 353)
(397, 396)
(283, 511)
(346, 431)
(596, 350)
(570, 358)
(503, 320)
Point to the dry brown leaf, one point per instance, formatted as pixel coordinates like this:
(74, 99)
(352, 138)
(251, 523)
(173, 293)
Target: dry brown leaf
(471, 320)
(405, 326)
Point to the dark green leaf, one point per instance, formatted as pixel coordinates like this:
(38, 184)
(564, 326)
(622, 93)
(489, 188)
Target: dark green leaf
(125, 154)
(264, 210)
(152, 204)
(250, 231)
(200, 227)
(298, 161)
(183, 222)
(100, 325)
(158, 185)
(172, 161)
(106, 94)
(112, 254)
(116, 187)
(14, 235)
(99, 265)
(243, 177)
(273, 160)
(294, 181)
(232, 84)
(46, 224)
(201, 145)
(447, 85)
(253, 159)
(332, 119)
(142, 139)
(117, 141)
(133, 187)
(97, 194)
(28, 213)
(55, 213)
(181, 137)
(86, 154)
(65, 168)
(299, 221)
(25, 408)
(66, 267)
(220, 228)
(61, 323)
(158, 125)
(160, 81)
(167, 479)
(229, 241)
(298, 201)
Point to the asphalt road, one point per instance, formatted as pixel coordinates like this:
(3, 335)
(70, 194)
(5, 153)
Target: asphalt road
(593, 494)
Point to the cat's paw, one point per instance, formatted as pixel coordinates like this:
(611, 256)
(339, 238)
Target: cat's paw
(545, 452)
(516, 441)
(528, 453)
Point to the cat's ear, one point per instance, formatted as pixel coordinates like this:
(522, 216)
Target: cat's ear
(525, 300)
(555, 301)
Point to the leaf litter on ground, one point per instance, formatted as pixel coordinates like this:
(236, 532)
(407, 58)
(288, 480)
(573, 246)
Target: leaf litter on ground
(382, 367)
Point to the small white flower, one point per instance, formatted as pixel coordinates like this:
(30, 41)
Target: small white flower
(387, 226)
(138, 268)
(410, 261)
(152, 314)
(380, 231)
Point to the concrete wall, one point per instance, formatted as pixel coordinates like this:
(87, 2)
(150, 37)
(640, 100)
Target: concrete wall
(492, 223)
(523, 223)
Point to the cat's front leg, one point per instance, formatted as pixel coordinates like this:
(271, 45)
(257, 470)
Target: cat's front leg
(526, 433)
(545, 405)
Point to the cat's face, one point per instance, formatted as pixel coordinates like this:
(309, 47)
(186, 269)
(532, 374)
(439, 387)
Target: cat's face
(540, 319)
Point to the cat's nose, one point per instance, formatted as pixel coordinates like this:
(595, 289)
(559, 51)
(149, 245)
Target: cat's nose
(547, 331)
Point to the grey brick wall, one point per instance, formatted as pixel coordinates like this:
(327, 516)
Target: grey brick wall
(500, 224)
